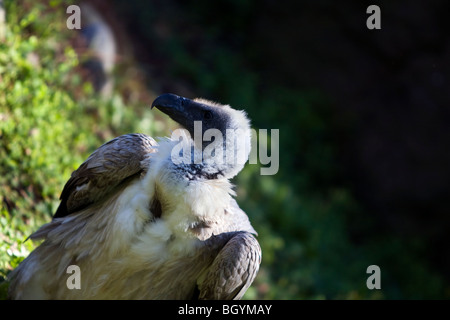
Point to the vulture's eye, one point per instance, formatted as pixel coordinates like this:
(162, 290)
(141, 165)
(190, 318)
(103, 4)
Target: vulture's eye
(207, 115)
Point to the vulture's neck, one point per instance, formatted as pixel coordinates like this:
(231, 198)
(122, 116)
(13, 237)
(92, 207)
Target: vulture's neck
(189, 193)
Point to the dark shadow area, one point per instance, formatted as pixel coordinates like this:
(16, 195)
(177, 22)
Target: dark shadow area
(365, 111)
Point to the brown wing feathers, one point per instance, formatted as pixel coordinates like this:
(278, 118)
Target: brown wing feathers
(107, 168)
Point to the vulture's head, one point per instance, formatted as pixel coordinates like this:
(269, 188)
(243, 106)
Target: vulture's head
(215, 125)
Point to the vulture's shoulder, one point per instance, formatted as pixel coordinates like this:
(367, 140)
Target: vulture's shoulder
(107, 168)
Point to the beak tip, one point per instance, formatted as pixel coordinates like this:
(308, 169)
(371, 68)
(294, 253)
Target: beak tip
(165, 100)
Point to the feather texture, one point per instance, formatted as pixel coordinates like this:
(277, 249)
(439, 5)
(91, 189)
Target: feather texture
(139, 228)
(110, 165)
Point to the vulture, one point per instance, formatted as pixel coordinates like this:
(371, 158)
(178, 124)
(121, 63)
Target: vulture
(147, 220)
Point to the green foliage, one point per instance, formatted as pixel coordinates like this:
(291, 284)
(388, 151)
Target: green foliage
(49, 123)
(35, 110)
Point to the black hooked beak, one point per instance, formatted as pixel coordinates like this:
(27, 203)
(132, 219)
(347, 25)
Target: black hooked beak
(178, 108)
(172, 105)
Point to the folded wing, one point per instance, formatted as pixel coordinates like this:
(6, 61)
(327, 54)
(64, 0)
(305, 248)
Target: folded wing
(109, 167)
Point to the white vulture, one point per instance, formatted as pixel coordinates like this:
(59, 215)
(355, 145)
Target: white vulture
(140, 225)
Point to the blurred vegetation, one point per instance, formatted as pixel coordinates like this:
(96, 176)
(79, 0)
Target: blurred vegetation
(317, 241)
(50, 122)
